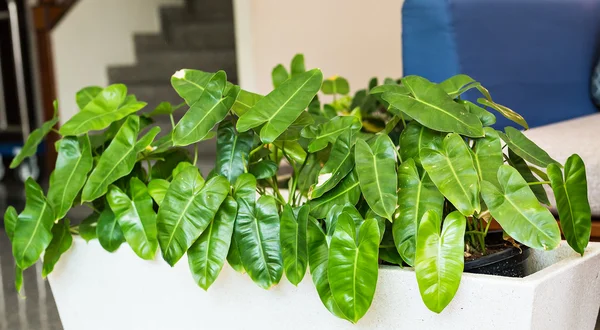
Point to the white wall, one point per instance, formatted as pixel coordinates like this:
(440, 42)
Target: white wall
(94, 35)
(356, 39)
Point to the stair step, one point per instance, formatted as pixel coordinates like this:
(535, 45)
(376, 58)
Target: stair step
(198, 35)
(178, 14)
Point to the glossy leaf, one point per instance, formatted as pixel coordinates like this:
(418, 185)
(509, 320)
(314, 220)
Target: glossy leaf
(451, 168)
(233, 150)
(118, 159)
(335, 85)
(61, 242)
(297, 66)
(33, 141)
(328, 132)
(339, 164)
(187, 209)
(457, 85)
(70, 173)
(525, 148)
(433, 108)
(264, 169)
(164, 108)
(163, 168)
(416, 137)
(334, 214)
(518, 211)
(136, 217)
(207, 255)
(180, 167)
(417, 195)
(397, 89)
(376, 168)
(157, 188)
(353, 266)
(348, 191)
(87, 227)
(85, 95)
(439, 261)
(292, 149)
(572, 202)
(525, 171)
(280, 108)
(504, 111)
(244, 188)
(108, 106)
(279, 75)
(487, 155)
(244, 102)
(487, 118)
(294, 244)
(108, 231)
(32, 232)
(257, 235)
(10, 221)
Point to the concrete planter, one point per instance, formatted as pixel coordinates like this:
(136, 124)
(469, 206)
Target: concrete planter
(98, 290)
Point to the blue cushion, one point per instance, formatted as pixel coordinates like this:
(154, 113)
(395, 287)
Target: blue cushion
(535, 56)
(596, 84)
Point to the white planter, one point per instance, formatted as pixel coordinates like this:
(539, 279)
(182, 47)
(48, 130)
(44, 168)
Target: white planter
(98, 290)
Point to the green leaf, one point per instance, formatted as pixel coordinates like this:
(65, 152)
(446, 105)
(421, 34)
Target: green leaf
(207, 255)
(525, 148)
(180, 167)
(10, 221)
(376, 168)
(61, 242)
(164, 108)
(108, 231)
(86, 95)
(18, 279)
(309, 173)
(136, 217)
(451, 168)
(348, 191)
(387, 247)
(187, 209)
(70, 173)
(87, 227)
(353, 266)
(244, 102)
(329, 131)
(244, 188)
(504, 111)
(417, 195)
(334, 214)
(264, 169)
(416, 137)
(110, 105)
(457, 85)
(335, 85)
(163, 168)
(279, 75)
(292, 149)
(397, 89)
(525, 171)
(233, 150)
(518, 211)
(433, 108)
(233, 257)
(572, 201)
(487, 156)
(294, 245)
(118, 159)
(257, 235)
(297, 66)
(439, 261)
(32, 233)
(280, 108)
(486, 117)
(157, 188)
(33, 141)
(339, 164)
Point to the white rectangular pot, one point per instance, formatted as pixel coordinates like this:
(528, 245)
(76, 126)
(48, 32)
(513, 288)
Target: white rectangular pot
(95, 289)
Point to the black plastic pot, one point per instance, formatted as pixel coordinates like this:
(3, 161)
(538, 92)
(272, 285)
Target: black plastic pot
(510, 261)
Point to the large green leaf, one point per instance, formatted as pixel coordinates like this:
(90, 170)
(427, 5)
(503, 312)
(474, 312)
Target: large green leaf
(398, 89)
(293, 150)
(572, 201)
(72, 166)
(451, 168)
(32, 232)
(487, 118)
(318, 257)
(118, 159)
(279, 75)
(163, 168)
(525, 171)
(376, 168)
(187, 209)
(61, 242)
(209, 108)
(164, 108)
(353, 266)
(207, 255)
(487, 155)
(417, 194)
(34, 139)
(309, 174)
(85, 95)
(339, 164)
(297, 65)
(439, 261)
(525, 148)
(416, 137)
(518, 211)
(335, 85)
(457, 85)
(136, 217)
(108, 231)
(348, 191)
(329, 131)
(157, 188)
(257, 236)
(433, 108)
(244, 188)
(10, 221)
(244, 102)
(87, 227)
(294, 245)
(280, 108)
(110, 105)
(266, 168)
(504, 111)
(232, 151)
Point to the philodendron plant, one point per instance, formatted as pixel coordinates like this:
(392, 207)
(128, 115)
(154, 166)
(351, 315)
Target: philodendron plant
(406, 173)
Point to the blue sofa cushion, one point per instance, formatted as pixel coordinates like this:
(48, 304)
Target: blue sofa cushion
(535, 56)
(596, 84)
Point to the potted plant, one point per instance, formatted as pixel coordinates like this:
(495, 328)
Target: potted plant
(404, 174)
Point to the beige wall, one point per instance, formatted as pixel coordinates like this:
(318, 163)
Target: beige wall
(94, 35)
(356, 39)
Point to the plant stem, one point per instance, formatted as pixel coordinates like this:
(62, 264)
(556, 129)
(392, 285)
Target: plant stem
(475, 232)
(255, 150)
(482, 237)
(537, 182)
(389, 127)
(172, 121)
(149, 169)
(56, 131)
(195, 153)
